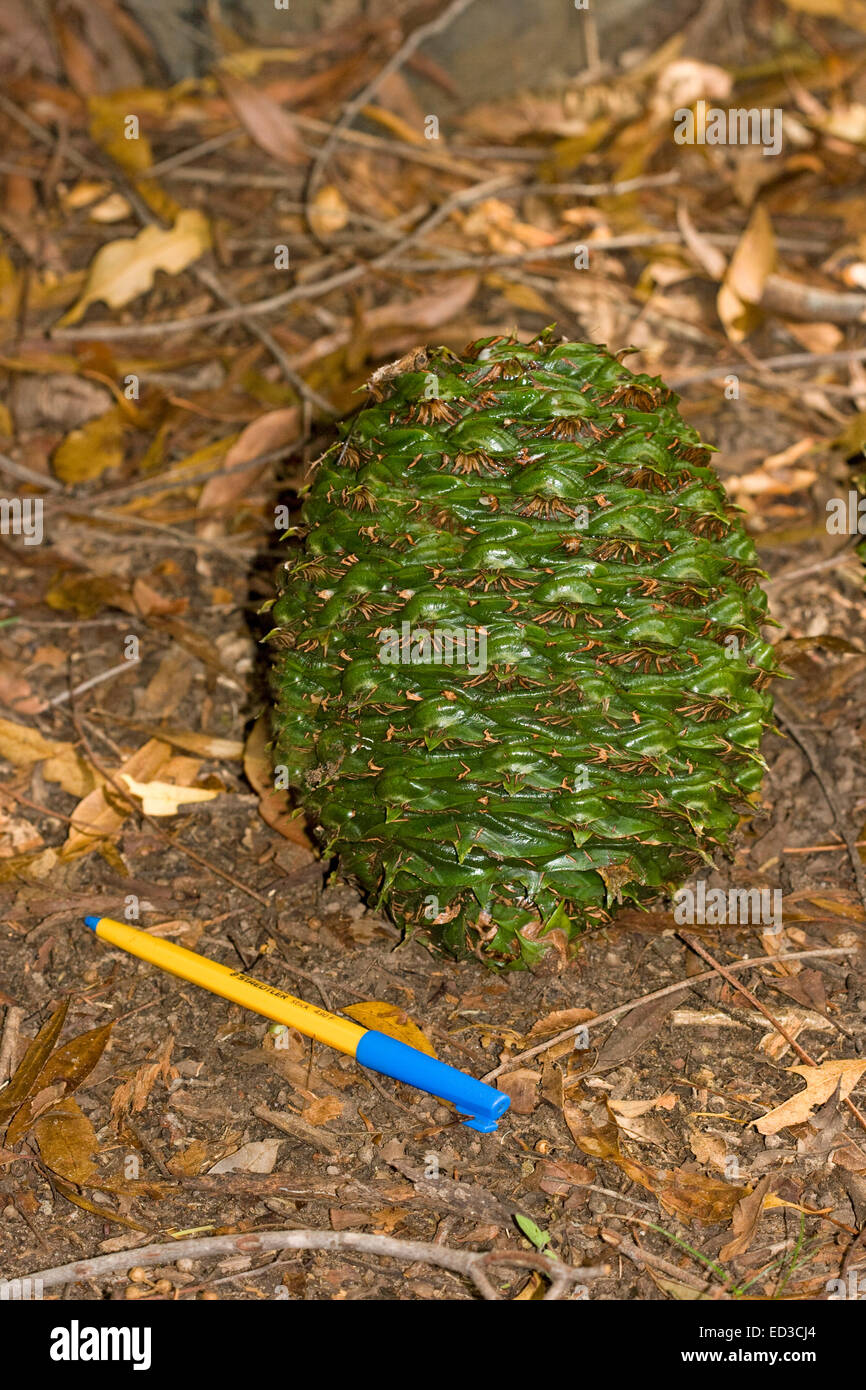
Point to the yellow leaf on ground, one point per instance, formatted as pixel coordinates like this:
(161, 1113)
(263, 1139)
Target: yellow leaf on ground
(821, 1082)
(101, 814)
(163, 798)
(125, 269)
(387, 1018)
(88, 452)
(23, 746)
(329, 212)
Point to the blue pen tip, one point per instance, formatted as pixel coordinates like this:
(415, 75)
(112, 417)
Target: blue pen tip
(92, 922)
(480, 1104)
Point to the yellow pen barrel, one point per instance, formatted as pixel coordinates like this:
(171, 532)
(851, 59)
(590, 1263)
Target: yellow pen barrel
(262, 998)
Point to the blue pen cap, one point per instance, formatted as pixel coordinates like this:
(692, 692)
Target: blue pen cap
(483, 1104)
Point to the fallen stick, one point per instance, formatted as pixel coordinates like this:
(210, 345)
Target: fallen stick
(680, 985)
(472, 1264)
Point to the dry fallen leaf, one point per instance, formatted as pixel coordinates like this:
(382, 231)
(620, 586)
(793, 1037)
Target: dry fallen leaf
(23, 746)
(265, 121)
(387, 1018)
(259, 1156)
(752, 261)
(273, 430)
(329, 212)
(522, 1086)
(124, 269)
(821, 1082)
(275, 808)
(164, 798)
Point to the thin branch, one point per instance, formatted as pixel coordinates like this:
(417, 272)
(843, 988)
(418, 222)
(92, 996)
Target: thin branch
(391, 258)
(474, 1265)
(785, 361)
(94, 681)
(29, 475)
(680, 985)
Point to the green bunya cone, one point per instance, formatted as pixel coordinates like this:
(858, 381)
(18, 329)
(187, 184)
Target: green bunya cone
(519, 676)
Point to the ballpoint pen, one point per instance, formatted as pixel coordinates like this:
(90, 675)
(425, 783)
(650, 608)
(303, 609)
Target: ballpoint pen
(480, 1104)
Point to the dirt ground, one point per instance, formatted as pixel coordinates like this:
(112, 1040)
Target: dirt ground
(134, 770)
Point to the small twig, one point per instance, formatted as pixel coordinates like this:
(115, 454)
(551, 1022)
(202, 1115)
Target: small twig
(701, 950)
(94, 681)
(680, 985)
(299, 1129)
(177, 478)
(212, 282)
(820, 849)
(146, 1147)
(786, 360)
(471, 1264)
(809, 302)
(787, 716)
(848, 551)
(29, 475)
(642, 1257)
(179, 538)
(362, 98)
(9, 1044)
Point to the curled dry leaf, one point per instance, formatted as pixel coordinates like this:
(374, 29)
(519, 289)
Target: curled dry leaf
(67, 1068)
(522, 1086)
(270, 431)
(743, 285)
(164, 798)
(275, 808)
(67, 1142)
(259, 1156)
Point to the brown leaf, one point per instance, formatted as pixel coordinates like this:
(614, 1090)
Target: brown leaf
(522, 1086)
(821, 1082)
(103, 811)
(70, 1065)
(275, 808)
(741, 290)
(631, 1119)
(391, 1020)
(328, 212)
(133, 1094)
(30, 1067)
(691, 1196)
(259, 1156)
(633, 1032)
(274, 430)
(67, 1142)
(747, 1213)
(321, 1109)
(272, 128)
(558, 1176)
